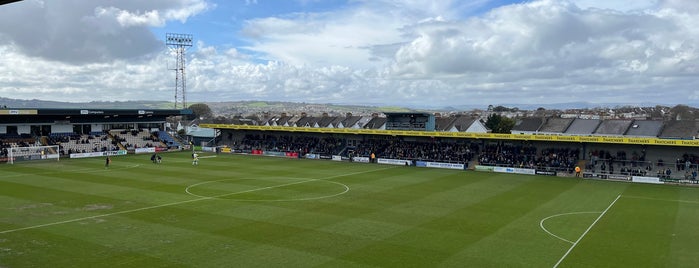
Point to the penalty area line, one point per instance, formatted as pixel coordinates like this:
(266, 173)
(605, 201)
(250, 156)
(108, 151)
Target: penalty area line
(586, 231)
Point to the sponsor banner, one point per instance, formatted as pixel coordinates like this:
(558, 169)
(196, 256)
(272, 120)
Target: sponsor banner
(444, 165)
(420, 164)
(312, 156)
(85, 155)
(256, 152)
(113, 153)
(484, 168)
(226, 150)
(291, 154)
(547, 173)
(398, 162)
(618, 177)
(144, 150)
(360, 159)
(337, 158)
(642, 179)
(208, 149)
(515, 170)
(18, 112)
(266, 153)
(589, 175)
(325, 156)
(98, 154)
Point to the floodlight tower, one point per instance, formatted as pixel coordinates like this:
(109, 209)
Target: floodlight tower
(179, 43)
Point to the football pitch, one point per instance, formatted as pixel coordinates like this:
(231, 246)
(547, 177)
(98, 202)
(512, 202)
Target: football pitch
(249, 211)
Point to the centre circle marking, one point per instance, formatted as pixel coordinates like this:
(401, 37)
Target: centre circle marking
(189, 188)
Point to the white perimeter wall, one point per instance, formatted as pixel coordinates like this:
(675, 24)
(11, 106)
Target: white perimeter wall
(23, 129)
(96, 127)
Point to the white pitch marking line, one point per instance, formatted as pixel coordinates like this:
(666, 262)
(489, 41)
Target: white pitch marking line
(80, 170)
(660, 199)
(541, 223)
(586, 231)
(174, 203)
(275, 200)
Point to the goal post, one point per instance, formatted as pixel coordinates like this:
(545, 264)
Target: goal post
(19, 154)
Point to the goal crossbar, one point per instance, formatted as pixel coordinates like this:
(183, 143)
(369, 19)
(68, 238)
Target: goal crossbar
(50, 152)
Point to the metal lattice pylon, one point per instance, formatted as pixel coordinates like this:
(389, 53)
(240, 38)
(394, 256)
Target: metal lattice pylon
(178, 44)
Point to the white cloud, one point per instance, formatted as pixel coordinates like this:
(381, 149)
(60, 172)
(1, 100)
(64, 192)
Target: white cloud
(78, 32)
(619, 5)
(414, 53)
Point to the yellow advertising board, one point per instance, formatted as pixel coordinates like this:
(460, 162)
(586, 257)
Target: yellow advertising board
(18, 112)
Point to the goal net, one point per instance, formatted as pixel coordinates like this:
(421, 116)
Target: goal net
(19, 154)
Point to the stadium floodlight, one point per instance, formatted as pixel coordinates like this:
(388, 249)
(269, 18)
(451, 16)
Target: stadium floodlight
(178, 44)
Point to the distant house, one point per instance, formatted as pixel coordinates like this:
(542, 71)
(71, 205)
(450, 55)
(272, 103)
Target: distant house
(361, 122)
(307, 121)
(284, 121)
(270, 121)
(350, 122)
(460, 123)
(527, 125)
(376, 123)
(328, 121)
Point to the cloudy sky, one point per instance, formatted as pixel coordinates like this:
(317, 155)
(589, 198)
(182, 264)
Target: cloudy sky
(411, 53)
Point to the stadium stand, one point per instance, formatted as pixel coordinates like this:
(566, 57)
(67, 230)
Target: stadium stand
(132, 139)
(76, 143)
(528, 155)
(287, 143)
(450, 151)
(167, 139)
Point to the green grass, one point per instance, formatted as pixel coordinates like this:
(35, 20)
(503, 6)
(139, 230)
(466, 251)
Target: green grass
(243, 211)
